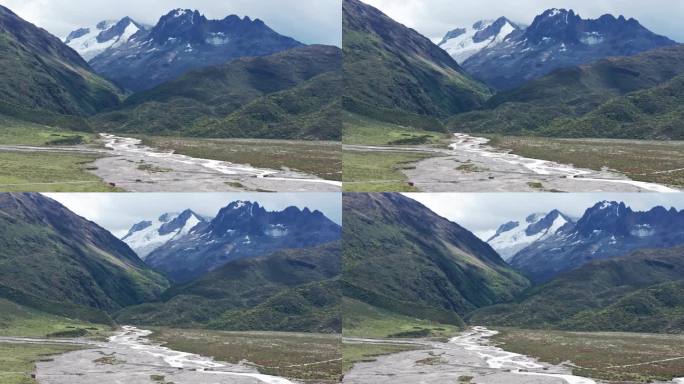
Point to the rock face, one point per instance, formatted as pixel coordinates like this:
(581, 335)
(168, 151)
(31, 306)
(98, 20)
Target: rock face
(146, 236)
(184, 40)
(400, 256)
(559, 38)
(606, 230)
(53, 254)
(462, 43)
(92, 41)
(241, 230)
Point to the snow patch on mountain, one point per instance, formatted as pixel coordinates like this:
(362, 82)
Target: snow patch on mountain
(463, 43)
(514, 236)
(145, 237)
(92, 41)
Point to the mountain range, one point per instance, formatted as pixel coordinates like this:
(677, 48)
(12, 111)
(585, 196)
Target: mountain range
(558, 38)
(640, 292)
(289, 290)
(229, 78)
(401, 257)
(139, 58)
(240, 230)
(615, 93)
(606, 230)
(293, 94)
(393, 73)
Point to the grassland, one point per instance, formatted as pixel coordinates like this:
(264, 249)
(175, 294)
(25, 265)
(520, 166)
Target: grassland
(15, 132)
(48, 172)
(320, 158)
(313, 358)
(17, 361)
(20, 321)
(614, 357)
(363, 320)
(357, 129)
(659, 162)
(378, 171)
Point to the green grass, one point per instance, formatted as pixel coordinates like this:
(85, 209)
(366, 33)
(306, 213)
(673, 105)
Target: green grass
(378, 171)
(15, 132)
(601, 355)
(320, 158)
(48, 172)
(362, 130)
(363, 320)
(17, 361)
(301, 356)
(650, 161)
(17, 320)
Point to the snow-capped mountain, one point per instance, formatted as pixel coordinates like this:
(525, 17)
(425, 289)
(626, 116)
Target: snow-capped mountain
(514, 236)
(91, 41)
(241, 230)
(146, 236)
(606, 230)
(559, 38)
(462, 43)
(183, 40)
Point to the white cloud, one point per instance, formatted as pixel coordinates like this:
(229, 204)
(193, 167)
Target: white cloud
(117, 212)
(311, 22)
(483, 213)
(433, 18)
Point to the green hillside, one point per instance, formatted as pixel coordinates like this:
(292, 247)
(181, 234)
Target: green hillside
(42, 80)
(392, 73)
(288, 95)
(401, 257)
(654, 113)
(291, 290)
(639, 293)
(60, 263)
(549, 105)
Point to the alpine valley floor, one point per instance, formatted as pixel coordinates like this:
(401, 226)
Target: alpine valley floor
(470, 164)
(130, 355)
(124, 163)
(483, 356)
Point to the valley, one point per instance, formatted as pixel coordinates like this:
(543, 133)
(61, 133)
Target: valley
(471, 164)
(123, 163)
(129, 355)
(481, 355)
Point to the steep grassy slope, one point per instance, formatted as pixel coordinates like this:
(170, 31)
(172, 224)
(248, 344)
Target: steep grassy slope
(393, 73)
(45, 81)
(291, 290)
(546, 106)
(60, 263)
(641, 292)
(289, 95)
(400, 256)
(654, 113)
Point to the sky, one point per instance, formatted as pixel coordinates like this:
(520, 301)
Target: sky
(117, 212)
(434, 18)
(483, 213)
(317, 21)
